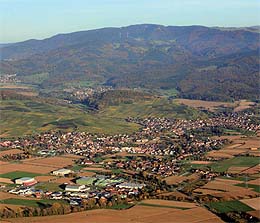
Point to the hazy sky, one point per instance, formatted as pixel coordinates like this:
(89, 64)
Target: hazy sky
(38, 19)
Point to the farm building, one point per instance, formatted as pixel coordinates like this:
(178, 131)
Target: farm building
(61, 172)
(131, 185)
(75, 188)
(86, 180)
(26, 181)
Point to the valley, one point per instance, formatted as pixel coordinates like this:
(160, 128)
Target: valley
(142, 123)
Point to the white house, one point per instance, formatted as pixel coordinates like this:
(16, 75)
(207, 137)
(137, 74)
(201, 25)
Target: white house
(75, 188)
(131, 185)
(61, 172)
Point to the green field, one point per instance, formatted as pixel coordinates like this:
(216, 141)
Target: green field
(228, 206)
(48, 186)
(30, 203)
(18, 174)
(77, 168)
(246, 161)
(25, 117)
(255, 187)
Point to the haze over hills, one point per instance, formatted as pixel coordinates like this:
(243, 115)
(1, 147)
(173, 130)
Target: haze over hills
(200, 62)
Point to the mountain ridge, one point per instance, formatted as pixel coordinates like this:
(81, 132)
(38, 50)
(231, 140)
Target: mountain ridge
(147, 55)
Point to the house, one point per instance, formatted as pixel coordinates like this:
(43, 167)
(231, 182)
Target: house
(26, 181)
(61, 172)
(89, 162)
(75, 188)
(56, 195)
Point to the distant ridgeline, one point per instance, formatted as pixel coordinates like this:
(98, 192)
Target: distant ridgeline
(200, 62)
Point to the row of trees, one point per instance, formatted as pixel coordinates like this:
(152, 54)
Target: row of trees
(59, 208)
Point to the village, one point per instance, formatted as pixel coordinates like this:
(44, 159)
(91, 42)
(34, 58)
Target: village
(87, 170)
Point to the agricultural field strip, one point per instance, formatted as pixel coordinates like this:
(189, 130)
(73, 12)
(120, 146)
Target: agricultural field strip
(138, 214)
(253, 202)
(255, 182)
(58, 161)
(11, 167)
(229, 206)
(170, 203)
(10, 151)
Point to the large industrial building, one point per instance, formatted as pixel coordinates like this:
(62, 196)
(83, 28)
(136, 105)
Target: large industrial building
(26, 181)
(61, 172)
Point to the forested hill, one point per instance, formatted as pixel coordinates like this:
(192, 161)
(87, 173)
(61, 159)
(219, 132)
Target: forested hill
(200, 62)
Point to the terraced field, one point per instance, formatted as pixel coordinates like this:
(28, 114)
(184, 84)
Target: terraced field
(24, 117)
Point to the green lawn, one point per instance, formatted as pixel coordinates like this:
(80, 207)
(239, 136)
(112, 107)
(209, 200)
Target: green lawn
(228, 206)
(18, 174)
(31, 203)
(223, 166)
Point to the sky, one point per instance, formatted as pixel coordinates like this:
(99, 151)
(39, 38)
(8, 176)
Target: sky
(38, 19)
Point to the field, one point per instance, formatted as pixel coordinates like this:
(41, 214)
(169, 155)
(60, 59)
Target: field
(236, 169)
(240, 161)
(174, 180)
(160, 107)
(255, 213)
(96, 169)
(18, 174)
(201, 162)
(63, 180)
(45, 178)
(23, 117)
(255, 182)
(240, 145)
(208, 105)
(10, 152)
(256, 188)
(5, 195)
(214, 105)
(253, 203)
(12, 167)
(25, 90)
(31, 203)
(227, 189)
(56, 162)
(48, 186)
(228, 206)
(253, 170)
(137, 214)
(6, 180)
(178, 195)
(165, 203)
